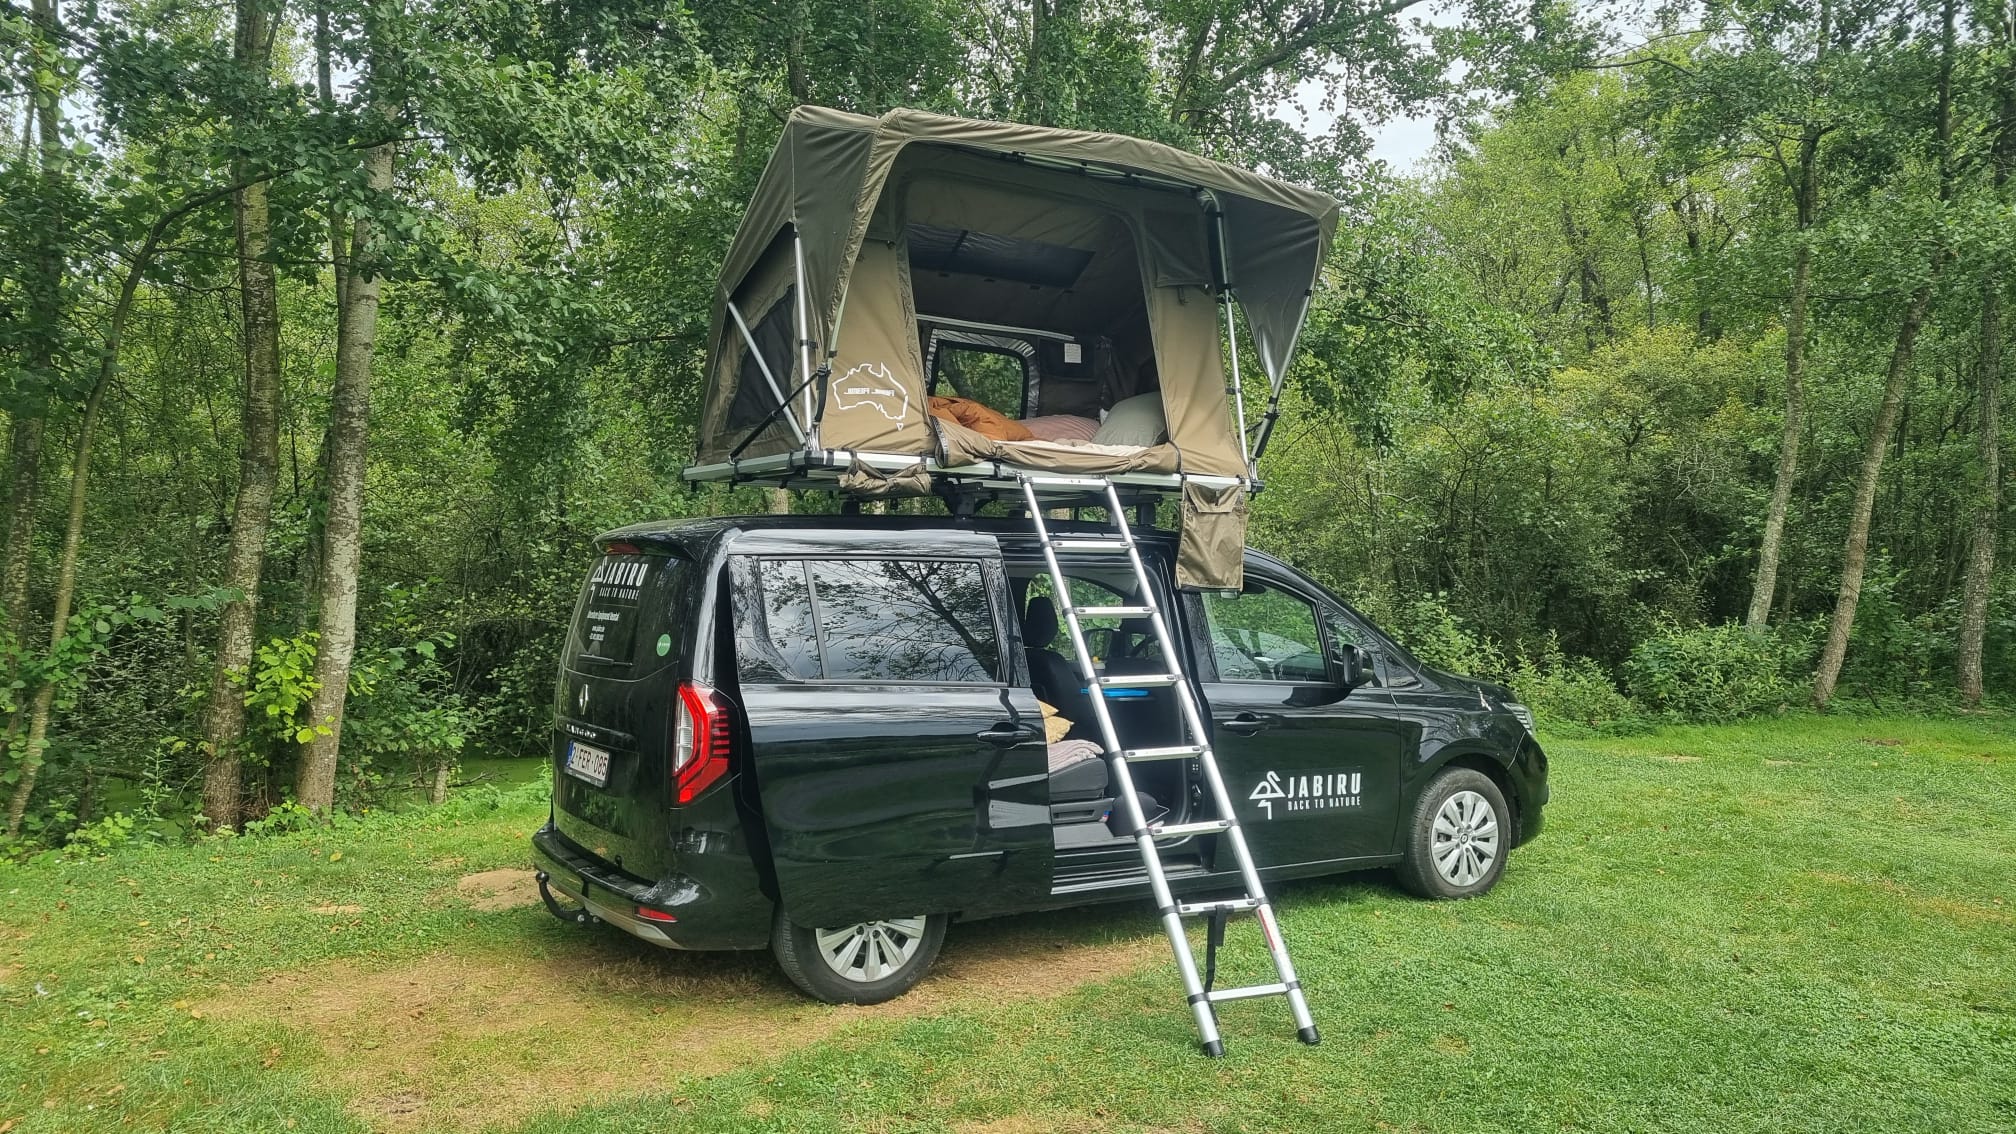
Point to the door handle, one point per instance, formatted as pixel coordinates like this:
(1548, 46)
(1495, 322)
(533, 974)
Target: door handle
(1246, 724)
(1005, 735)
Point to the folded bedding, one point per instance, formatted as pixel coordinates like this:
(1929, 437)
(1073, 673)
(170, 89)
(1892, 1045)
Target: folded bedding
(980, 418)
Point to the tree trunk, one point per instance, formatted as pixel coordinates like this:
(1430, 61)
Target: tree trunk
(21, 501)
(437, 792)
(258, 465)
(1988, 502)
(1988, 505)
(1805, 186)
(1855, 556)
(44, 304)
(342, 537)
(1788, 440)
(66, 575)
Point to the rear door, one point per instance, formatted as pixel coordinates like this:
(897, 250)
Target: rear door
(625, 653)
(1313, 773)
(898, 754)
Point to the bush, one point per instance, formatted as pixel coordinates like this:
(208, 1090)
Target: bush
(1574, 695)
(1439, 636)
(1716, 673)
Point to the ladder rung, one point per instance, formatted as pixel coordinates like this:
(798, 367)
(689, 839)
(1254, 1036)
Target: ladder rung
(1083, 543)
(1067, 481)
(1173, 752)
(1113, 611)
(1139, 680)
(1179, 830)
(1219, 996)
(1229, 905)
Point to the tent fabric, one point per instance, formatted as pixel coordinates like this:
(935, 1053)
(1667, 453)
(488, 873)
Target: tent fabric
(825, 182)
(1211, 548)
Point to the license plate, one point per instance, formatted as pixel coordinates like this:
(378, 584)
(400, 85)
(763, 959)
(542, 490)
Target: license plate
(588, 762)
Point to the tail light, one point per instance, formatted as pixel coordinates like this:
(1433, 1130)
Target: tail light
(702, 738)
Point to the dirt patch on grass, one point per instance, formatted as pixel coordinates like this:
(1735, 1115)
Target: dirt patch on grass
(494, 890)
(1048, 1123)
(459, 1041)
(1676, 758)
(1923, 904)
(334, 908)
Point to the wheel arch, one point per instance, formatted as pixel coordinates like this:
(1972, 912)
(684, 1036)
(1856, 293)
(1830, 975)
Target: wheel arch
(1491, 768)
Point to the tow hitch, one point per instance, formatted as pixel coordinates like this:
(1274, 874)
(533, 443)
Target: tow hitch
(576, 916)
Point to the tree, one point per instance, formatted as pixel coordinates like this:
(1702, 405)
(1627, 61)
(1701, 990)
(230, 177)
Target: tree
(1854, 557)
(259, 463)
(1998, 25)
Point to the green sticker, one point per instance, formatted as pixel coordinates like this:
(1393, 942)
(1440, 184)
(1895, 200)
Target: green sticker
(664, 644)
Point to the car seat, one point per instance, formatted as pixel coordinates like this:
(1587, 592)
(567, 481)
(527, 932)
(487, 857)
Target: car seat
(1054, 679)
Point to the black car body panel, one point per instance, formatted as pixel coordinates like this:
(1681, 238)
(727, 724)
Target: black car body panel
(911, 776)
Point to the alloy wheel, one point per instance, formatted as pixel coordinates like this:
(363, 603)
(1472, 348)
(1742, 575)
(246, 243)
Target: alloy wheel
(1466, 838)
(871, 950)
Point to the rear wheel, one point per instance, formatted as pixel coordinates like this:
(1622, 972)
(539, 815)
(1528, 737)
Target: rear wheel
(1458, 838)
(865, 963)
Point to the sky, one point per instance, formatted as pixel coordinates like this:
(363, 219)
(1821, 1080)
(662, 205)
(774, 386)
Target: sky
(1403, 142)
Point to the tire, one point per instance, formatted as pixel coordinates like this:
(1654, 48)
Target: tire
(858, 964)
(1444, 864)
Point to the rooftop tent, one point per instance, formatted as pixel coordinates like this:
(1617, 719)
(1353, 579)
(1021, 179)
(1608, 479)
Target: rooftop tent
(1094, 264)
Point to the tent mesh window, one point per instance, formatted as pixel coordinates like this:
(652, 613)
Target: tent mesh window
(753, 398)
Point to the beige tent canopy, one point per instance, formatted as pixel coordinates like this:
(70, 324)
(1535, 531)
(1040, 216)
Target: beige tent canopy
(1046, 273)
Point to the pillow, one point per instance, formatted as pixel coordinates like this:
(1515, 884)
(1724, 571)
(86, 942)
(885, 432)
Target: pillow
(1061, 427)
(1135, 421)
(979, 418)
(1055, 726)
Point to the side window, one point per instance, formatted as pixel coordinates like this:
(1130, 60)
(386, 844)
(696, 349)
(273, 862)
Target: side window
(1264, 634)
(905, 620)
(788, 645)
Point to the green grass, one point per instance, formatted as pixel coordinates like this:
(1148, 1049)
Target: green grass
(1805, 924)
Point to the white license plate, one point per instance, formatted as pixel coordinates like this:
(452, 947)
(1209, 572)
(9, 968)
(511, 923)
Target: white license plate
(588, 762)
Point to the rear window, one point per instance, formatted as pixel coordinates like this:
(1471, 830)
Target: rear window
(872, 620)
(632, 613)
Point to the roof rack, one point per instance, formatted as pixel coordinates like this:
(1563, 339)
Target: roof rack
(821, 469)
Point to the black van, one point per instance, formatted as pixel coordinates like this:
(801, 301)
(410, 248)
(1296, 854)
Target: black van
(824, 735)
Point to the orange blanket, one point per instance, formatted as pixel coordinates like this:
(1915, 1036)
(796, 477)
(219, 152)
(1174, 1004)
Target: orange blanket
(980, 419)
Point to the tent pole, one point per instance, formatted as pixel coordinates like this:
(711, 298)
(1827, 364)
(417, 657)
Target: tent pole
(1278, 383)
(776, 391)
(804, 328)
(1237, 388)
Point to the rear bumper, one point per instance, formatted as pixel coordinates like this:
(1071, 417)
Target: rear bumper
(612, 896)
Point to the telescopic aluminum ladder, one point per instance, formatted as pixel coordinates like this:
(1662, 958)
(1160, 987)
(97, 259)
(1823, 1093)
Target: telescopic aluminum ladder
(1150, 838)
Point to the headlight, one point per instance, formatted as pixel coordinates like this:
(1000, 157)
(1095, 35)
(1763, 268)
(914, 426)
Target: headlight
(1524, 714)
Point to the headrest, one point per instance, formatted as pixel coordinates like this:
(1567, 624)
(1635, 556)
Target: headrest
(1039, 623)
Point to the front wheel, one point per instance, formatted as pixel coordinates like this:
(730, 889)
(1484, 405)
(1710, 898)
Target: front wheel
(1458, 838)
(865, 963)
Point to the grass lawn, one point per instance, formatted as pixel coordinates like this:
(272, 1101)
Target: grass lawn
(1803, 924)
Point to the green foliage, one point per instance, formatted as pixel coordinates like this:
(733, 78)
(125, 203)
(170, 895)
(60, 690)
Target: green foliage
(281, 685)
(1573, 696)
(1718, 673)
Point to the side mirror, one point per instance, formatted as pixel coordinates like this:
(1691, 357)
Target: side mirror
(1353, 666)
